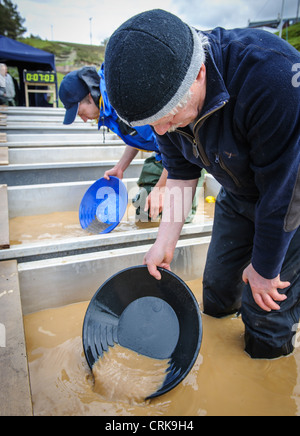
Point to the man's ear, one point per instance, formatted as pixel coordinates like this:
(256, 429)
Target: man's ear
(202, 74)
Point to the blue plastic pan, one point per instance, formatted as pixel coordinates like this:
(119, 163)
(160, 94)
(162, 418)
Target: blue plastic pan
(103, 205)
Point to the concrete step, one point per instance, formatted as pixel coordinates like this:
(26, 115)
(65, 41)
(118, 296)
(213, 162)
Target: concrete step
(48, 198)
(31, 111)
(4, 227)
(43, 128)
(15, 396)
(40, 200)
(60, 172)
(37, 119)
(57, 140)
(57, 282)
(29, 155)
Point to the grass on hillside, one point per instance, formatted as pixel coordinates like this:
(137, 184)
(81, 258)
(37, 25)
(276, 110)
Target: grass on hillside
(292, 35)
(69, 53)
(66, 54)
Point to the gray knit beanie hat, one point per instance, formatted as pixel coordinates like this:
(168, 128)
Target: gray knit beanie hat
(151, 61)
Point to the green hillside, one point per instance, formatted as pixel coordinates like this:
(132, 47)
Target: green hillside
(66, 53)
(292, 34)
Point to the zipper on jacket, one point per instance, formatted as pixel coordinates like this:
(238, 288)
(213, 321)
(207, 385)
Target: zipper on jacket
(193, 141)
(198, 149)
(201, 120)
(219, 161)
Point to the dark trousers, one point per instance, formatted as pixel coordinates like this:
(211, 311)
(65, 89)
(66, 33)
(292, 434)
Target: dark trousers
(267, 334)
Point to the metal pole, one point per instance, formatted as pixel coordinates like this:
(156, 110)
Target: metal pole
(91, 30)
(281, 24)
(298, 9)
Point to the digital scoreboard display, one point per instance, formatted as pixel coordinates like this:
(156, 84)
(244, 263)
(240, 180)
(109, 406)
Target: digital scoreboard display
(46, 77)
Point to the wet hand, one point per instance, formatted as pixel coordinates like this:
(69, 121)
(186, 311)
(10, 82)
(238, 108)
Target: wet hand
(155, 202)
(116, 172)
(158, 256)
(265, 291)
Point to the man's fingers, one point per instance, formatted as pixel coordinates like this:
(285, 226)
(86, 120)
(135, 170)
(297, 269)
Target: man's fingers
(152, 208)
(265, 291)
(270, 303)
(260, 302)
(166, 266)
(153, 271)
(267, 301)
(245, 278)
(154, 213)
(278, 297)
(283, 285)
(146, 204)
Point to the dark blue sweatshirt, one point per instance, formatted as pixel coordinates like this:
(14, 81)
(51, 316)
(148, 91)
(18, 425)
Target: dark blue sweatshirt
(248, 135)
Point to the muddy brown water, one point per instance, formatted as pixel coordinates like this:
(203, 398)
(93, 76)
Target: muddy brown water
(64, 225)
(223, 381)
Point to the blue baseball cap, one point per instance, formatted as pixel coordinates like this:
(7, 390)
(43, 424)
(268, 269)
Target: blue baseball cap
(72, 90)
(77, 85)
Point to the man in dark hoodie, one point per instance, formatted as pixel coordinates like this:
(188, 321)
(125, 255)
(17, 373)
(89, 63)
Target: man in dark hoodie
(224, 101)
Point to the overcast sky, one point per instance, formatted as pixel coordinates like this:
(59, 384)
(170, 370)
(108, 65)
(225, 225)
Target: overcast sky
(69, 20)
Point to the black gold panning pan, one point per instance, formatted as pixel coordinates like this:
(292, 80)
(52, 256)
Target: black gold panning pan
(157, 318)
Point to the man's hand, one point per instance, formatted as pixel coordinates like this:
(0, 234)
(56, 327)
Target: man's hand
(158, 256)
(155, 202)
(265, 291)
(119, 169)
(115, 171)
(161, 253)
